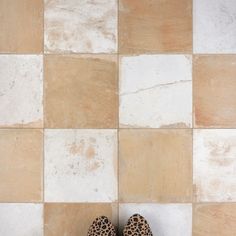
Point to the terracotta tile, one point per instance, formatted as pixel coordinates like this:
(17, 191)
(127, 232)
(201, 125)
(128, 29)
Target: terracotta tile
(164, 219)
(21, 219)
(80, 165)
(21, 91)
(155, 26)
(214, 91)
(156, 91)
(81, 91)
(214, 26)
(21, 165)
(75, 219)
(21, 26)
(214, 220)
(80, 26)
(149, 165)
(214, 165)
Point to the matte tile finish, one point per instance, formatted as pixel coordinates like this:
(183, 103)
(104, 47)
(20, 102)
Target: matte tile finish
(214, 86)
(21, 165)
(156, 91)
(155, 26)
(150, 163)
(21, 26)
(81, 91)
(80, 166)
(75, 219)
(80, 26)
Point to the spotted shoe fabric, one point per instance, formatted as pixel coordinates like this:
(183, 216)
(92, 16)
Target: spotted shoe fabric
(137, 226)
(102, 227)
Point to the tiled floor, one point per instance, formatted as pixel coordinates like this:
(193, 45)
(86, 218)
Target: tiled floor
(115, 107)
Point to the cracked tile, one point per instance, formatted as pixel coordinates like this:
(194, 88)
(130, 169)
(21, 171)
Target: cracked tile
(80, 165)
(156, 91)
(214, 165)
(80, 26)
(21, 91)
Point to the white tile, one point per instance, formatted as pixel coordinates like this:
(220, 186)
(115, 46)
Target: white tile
(214, 26)
(214, 165)
(21, 90)
(80, 165)
(80, 26)
(156, 91)
(18, 219)
(164, 219)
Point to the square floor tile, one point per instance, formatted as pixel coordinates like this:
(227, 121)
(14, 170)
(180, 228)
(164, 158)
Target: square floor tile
(156, 91)
(81, 91)
(149, 165)
(21, 165)
(155, 26)
(21, 91)
(21, 26)
(75, 219)
(21, 219)
(214, 87)
(214, 165)
(214, 26)
(214, 220)
(80, 26)
(80, 165)
(164, 219)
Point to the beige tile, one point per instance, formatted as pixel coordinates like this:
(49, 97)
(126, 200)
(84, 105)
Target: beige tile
(21, 165)
(155, 26)
(214, 220)
(75, 219)
(214, 87)
(155, 165)
(21, 26)
(81, 91)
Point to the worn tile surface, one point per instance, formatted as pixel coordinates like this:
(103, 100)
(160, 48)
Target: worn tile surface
(80, 165)
(214, 91)
(21, 165)
(21, 91)
(155, 26)
(150, 163)
(75, 219)
(21, 26)
(214, 220)
(214, 165)
(164, 219)
(155, 91)
(21, 219)
(214, 26)
(81, 91)
(80, 26)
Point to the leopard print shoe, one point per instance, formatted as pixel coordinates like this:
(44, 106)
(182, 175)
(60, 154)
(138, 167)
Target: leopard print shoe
(102, 227)
(137, 226)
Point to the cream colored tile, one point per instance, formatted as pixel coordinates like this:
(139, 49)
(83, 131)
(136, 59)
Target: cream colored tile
(80, 26)
(80, 165)
(214, 26)
(164, 219)
(149, 165)
(21, 26)
(21, 219)
(21, 91)
(155, 91)
(21, 165)
(75, 219)
(214, 220)
(214, 165)
(90, 99)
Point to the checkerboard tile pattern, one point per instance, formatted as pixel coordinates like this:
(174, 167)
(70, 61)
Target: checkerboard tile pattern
(116, 107)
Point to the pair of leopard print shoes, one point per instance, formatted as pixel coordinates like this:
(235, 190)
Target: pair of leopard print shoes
(136, 226)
